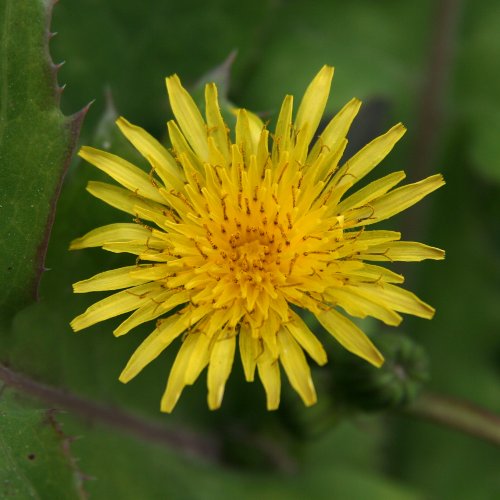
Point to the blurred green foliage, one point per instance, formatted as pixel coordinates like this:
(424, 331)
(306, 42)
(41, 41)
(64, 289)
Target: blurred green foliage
(381, 52)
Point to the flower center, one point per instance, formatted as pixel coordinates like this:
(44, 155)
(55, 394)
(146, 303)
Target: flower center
(251, 256)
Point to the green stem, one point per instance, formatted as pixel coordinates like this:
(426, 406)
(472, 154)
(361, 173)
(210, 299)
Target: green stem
(458, 414)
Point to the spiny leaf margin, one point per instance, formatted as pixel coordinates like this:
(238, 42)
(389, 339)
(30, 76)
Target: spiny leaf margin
(36, 146)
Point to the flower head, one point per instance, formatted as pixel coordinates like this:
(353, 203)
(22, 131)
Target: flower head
(231, 232)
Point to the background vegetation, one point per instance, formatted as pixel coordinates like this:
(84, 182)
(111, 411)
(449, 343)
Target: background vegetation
(68, 428)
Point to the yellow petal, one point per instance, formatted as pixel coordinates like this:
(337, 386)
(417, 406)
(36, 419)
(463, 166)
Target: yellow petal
(215, 157)
(122, 199)
(180, 144)
(256, 126)
(306, 339)
(350, 336)
(359, 306)
(282, 136)
(109, 234)
(110, 280)
(147, 312)
(323, 168)
(408, 251)
(263, 156)
(296, 367)
(376, 274)
(336, 131)
(376, 237)
(245, 140)
(216, 126)
(122, 171)
(369, 157)
(313, 103)
(116, 304)
(396, 201)
(151, 272)
(176, 298)
(158, 218)
(151, 149)
(199, 358)
(155, 343)
(370, 192)
(176, 379)
(299, 150)
(219, 368)
(397, 298)
(249, 352)
(188, 117)
(145, 249)
(268, 333)
(269, 373)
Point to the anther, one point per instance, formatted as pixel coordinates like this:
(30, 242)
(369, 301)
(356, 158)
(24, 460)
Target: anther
(327, 196)
(198, 247)
(282, 172)
(240, 178)
(181, 197)
(213, 245)
(197, 182)
(216, 171)
(224, 207)
(292, 263)
(247, 203)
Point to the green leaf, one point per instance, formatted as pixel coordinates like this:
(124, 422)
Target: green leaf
(35, 456)
(36, 144)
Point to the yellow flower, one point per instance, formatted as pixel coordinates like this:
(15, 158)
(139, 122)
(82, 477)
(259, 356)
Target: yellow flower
(231, 232)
